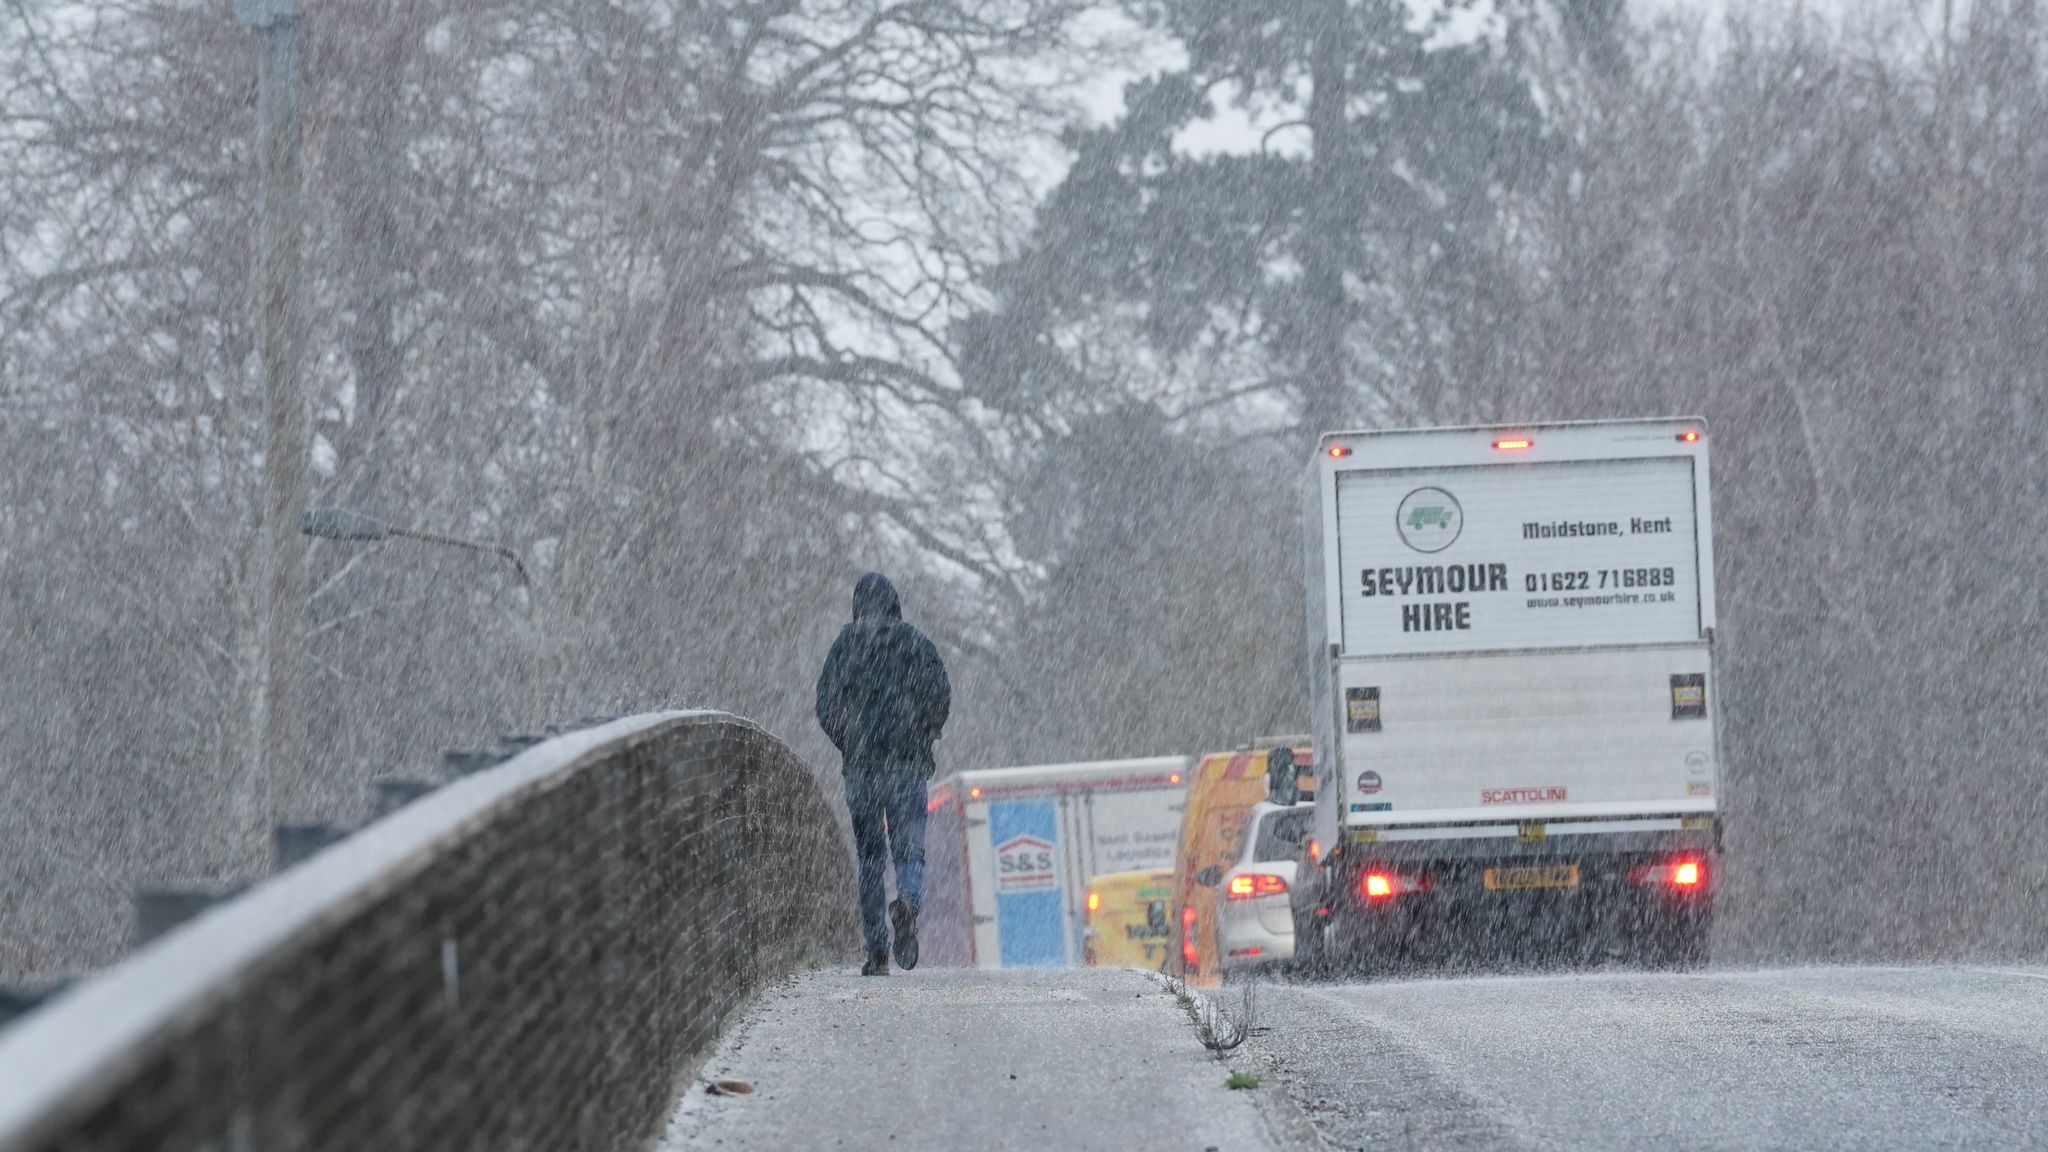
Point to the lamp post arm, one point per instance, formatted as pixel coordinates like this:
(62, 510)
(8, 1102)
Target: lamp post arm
(510, 556)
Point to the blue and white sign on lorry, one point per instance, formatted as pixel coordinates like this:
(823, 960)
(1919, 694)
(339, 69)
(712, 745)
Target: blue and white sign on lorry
(1511, 641)
(1009, 853)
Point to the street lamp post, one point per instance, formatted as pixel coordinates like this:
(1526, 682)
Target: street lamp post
(346, 524)
(350, 526)
(285, 445)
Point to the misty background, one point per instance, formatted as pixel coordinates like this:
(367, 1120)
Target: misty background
(1037, 305)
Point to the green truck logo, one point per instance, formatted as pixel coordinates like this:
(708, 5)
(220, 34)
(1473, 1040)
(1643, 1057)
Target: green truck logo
(1429, 519)
(1427, 516)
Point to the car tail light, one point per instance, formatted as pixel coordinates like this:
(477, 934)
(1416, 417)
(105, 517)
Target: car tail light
(1387, 885)
(1246, 887)
(1315, 851)
(1188, 954)
(1675, 873)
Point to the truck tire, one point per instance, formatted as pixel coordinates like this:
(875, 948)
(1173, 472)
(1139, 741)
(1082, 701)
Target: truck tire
(1680, 939)
(1348, 954)
(1311, 955)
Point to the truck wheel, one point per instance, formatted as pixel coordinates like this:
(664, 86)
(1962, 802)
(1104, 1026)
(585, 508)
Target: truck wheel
(1311, 955)
(1680, 939)
(1348, 954)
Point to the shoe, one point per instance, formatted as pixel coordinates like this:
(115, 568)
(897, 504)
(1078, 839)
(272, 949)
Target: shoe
(877, 965)
(903, 918)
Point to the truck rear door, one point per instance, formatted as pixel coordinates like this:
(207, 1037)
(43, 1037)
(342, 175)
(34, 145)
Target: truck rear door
(1524, 624)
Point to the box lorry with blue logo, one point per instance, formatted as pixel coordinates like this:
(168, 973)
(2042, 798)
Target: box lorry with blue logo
(1510, 652)
(1009, 853)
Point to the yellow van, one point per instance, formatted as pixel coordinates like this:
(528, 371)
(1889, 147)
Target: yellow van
(1129, 924)
(1225, 787)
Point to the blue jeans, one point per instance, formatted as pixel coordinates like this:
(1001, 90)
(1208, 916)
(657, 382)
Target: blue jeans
(891, 804)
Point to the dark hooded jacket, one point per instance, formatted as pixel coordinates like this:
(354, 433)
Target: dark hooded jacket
(883, 695)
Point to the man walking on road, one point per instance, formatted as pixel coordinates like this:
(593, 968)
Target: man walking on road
(882, 699)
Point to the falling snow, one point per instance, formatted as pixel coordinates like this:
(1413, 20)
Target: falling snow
(703, 310)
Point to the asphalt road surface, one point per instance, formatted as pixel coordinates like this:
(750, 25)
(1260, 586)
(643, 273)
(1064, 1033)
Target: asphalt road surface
(1852, 1058)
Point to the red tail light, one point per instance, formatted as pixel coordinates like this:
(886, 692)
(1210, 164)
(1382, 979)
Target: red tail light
(1676, 873)
(1387, 885)
(1187, 939)
(1246, 887)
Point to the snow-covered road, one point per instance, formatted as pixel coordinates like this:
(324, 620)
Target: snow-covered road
(1811, 1058)
(1850, 1058)
(945, 1061)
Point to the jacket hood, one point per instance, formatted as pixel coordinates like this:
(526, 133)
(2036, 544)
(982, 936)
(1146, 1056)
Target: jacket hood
(875, 596)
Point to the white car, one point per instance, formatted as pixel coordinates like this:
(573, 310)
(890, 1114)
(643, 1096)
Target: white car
(1254, 921)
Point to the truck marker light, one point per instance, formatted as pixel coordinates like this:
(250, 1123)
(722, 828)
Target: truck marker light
(974, 793)
(1188, 954)
(1173, 779)
(1686, 873)
(1516, 445)
(1689, 436)
(1315, 851)
(1247, 951)
(1338, 451)
(1095, 901)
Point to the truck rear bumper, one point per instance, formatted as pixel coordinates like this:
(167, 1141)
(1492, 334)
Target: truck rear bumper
(1595, 895)
(1537, 838)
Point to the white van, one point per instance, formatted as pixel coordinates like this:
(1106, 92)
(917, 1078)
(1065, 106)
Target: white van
(1009, 853)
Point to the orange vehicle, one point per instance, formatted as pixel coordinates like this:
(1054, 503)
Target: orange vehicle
(1225, 787)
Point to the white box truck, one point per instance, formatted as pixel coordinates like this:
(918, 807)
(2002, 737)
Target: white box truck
(1009, 853)
(1511, 635)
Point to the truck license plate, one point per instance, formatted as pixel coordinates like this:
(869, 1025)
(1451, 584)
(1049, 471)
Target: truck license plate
(1552, 876)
